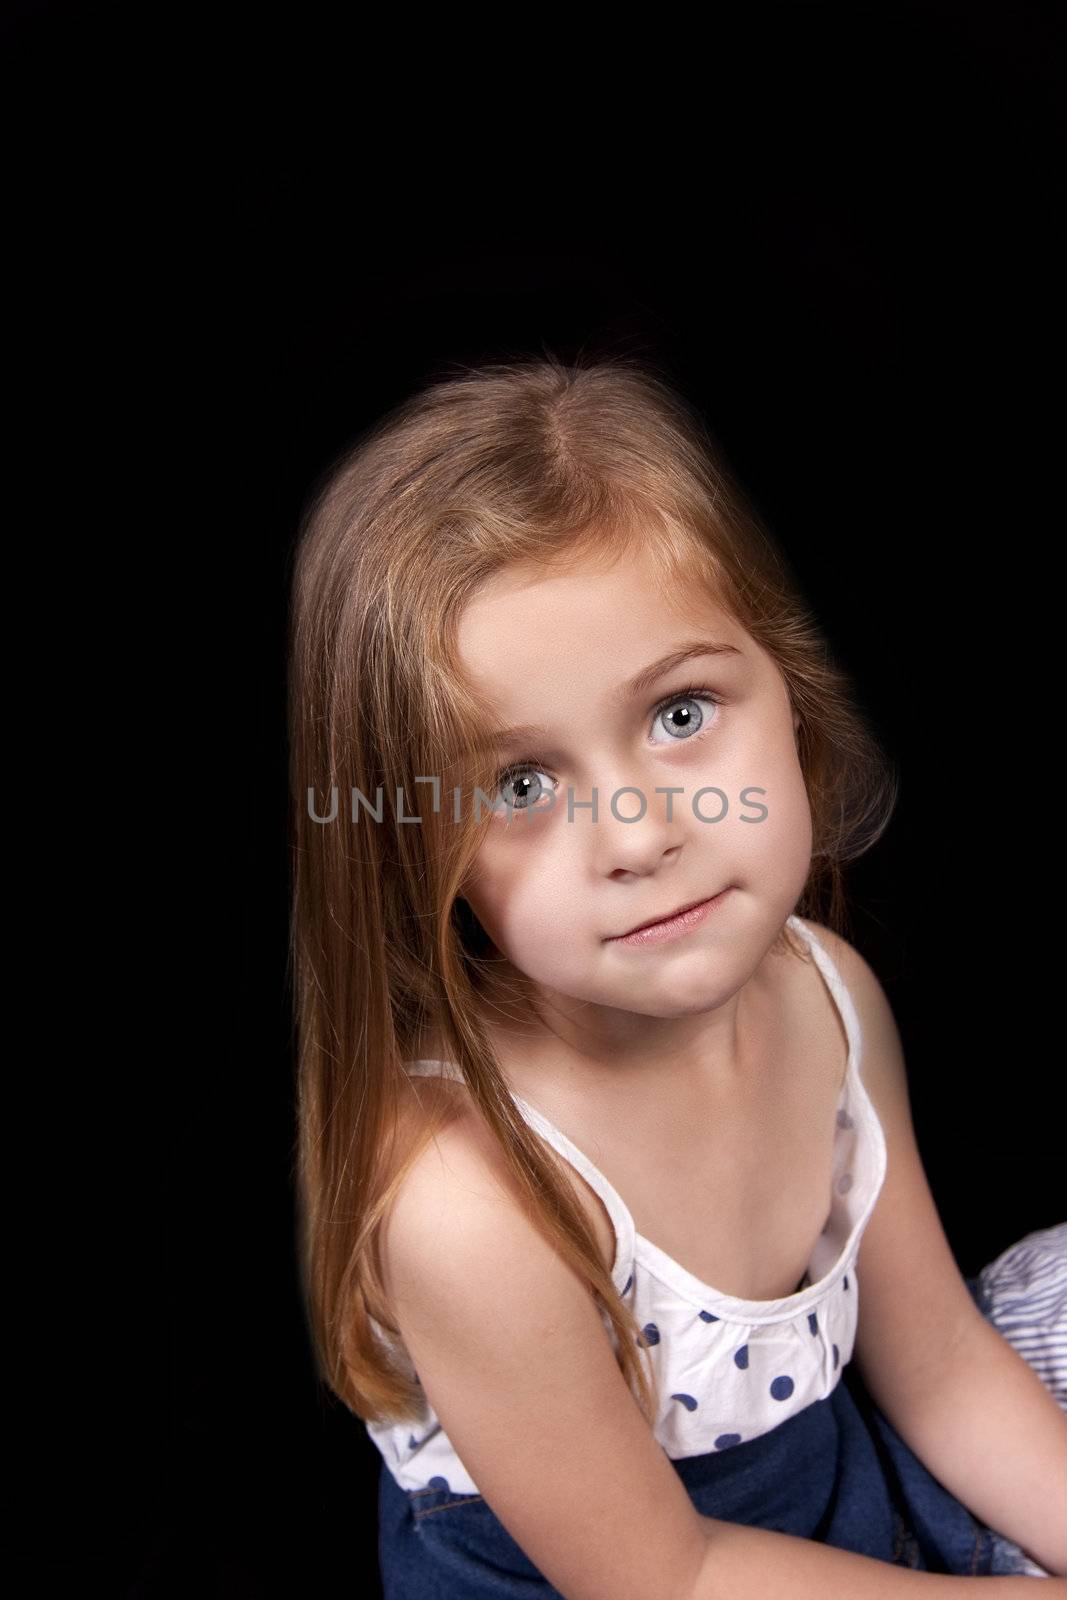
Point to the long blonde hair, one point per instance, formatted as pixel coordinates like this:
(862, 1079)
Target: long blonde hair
(535, 462)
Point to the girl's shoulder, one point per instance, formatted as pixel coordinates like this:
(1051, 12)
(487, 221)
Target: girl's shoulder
(444, 1157)
(436, 1117)
(805, 996)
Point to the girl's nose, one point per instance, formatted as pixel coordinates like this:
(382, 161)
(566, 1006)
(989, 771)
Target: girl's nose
(636, 831)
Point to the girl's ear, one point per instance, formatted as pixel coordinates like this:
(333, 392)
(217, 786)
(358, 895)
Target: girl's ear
(796, 720)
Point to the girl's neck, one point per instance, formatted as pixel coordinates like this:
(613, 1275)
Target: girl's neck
(535, 1062)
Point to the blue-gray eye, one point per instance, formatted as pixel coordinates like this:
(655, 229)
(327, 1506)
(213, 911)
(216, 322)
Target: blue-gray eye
(526, 783)
(681, 717)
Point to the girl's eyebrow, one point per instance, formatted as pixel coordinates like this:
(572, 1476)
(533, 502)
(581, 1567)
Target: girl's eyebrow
(500, 738)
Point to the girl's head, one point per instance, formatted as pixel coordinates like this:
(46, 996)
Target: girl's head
(664, 769)
(514, 547)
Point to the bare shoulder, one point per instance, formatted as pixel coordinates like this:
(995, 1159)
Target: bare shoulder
(468, 1144)
(881, 1055)
(882, 1065)
(450, 1166)
(860, 979)
(881, 1052)
(438, 1127)
(832, 941)
(805, 999)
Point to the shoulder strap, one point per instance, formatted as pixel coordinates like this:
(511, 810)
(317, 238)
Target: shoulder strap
(838, 992)
(621, 1220)
(425, 1068)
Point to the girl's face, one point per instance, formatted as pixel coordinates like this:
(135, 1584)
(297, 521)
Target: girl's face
(553, 887)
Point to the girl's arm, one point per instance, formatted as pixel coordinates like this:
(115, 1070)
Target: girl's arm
(992, 1433)
(754, 1563)
(515, 1361)
(513, 1356)
(968, 1404)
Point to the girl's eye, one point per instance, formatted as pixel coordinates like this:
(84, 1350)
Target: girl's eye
(680, 717)
(525, 783)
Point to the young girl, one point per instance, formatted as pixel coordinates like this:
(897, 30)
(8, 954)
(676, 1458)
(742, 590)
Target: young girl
(614, 1231)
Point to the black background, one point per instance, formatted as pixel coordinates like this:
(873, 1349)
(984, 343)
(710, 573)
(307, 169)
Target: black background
(840, 238)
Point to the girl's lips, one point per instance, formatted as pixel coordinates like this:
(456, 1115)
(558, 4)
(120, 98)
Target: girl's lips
(672, 927)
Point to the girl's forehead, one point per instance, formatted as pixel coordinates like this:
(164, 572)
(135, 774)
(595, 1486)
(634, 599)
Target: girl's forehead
(589, 606)
(528, 641)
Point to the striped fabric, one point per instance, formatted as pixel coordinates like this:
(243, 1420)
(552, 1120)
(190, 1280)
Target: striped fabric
(1026, 1293)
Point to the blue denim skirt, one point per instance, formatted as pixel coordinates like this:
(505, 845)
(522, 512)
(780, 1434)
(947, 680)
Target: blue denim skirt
(837, 1473)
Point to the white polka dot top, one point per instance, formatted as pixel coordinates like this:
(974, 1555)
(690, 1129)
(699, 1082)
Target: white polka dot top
(727, 1369)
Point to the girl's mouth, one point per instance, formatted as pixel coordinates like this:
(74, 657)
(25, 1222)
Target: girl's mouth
(673, 926)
